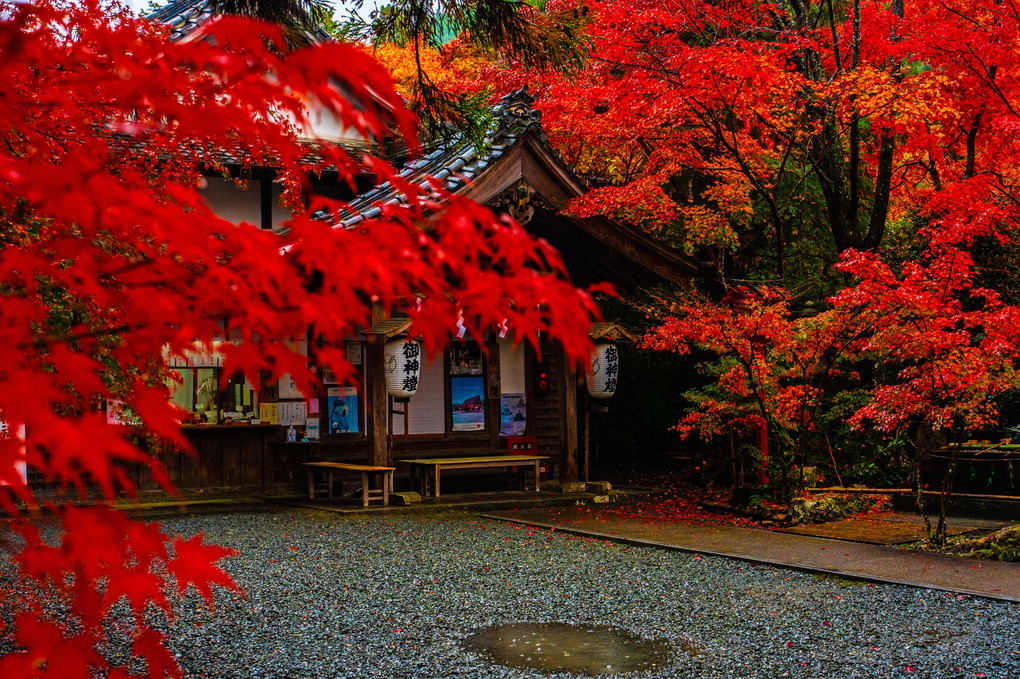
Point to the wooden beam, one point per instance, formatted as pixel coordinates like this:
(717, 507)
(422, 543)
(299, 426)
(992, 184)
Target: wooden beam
(569, 461)
(492, 396)
(587, 445)
(861, 491)
(266, 202)
(377, 414)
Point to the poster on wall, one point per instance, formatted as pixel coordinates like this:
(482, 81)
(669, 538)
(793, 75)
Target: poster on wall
(292, 413)
(468, 403)
(353, 353)
(342, 410)
(269, 413)
(466, 359)
(512, 415)
(312, 428)
(288, 388)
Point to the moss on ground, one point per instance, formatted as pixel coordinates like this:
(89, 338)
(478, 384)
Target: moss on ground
(1002, 545)
(835, 506)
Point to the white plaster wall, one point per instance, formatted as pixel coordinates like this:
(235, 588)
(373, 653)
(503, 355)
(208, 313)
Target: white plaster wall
(238, 205)
(511, 367)
(324, 125)
(427, 408)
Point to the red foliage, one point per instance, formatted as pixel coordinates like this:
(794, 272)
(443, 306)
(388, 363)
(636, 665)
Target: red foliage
(772, 365)
(955, 345)
(111, 257)
(682, 505)
(732, 125)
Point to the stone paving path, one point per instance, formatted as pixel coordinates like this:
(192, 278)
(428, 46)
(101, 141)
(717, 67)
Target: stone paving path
(879, 563)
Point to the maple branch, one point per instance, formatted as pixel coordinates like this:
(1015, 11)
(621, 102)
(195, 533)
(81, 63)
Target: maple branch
(988, 74)
(48, 341)
(933, 171)
(948, 277)
(959, 14)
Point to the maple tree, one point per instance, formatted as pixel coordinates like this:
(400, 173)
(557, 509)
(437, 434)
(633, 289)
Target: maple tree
(943, 318)
(454, 91)
(950, 345)
(112, 261)
(954, 345)
(770, 373)
(740, 130)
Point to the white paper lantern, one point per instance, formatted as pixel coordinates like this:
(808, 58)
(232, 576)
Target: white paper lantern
(605, 367)
(403, 367)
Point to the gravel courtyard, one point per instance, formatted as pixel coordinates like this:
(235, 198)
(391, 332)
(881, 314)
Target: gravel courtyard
(395, 596)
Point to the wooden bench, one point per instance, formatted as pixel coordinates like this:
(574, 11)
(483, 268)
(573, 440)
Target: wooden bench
(425, 468)
(328, 469)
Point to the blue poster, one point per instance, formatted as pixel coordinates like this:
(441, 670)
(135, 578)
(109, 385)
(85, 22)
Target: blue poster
(342, 410)
(468, 403)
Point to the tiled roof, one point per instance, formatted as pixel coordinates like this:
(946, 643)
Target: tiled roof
(458, 161)
(184, 16)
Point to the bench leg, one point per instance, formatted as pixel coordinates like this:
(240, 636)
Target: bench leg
(436, 472)
(387, 486)
(364, 489)
(417, 479)
(311, 484)
(536, 475)
(329, 485)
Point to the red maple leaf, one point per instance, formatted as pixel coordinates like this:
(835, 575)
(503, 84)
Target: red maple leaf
(195, 564)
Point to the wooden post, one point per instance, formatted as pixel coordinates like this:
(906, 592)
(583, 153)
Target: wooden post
(569, 464)
(492, 396)
(587, 435)
(378, 403)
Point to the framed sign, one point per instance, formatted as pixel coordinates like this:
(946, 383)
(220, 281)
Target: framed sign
(354, 356)
(513, 412)
(467, 401)
(466, 359)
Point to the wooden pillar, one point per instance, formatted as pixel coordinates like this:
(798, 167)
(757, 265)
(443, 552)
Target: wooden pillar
(378, 402)
(492, 403)
(568, 463)
(587, 438)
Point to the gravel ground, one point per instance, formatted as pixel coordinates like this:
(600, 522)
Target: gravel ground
(394, 596)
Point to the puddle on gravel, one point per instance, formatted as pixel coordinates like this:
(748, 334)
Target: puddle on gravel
(558, 647)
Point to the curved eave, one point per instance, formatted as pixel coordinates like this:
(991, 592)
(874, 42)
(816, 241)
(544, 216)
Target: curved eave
(532, 160)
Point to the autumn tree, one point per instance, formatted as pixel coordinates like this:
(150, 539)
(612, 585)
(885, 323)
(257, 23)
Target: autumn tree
(771, 374)
(742, 129)
(422, 40)
(954, 347)
(111, 261)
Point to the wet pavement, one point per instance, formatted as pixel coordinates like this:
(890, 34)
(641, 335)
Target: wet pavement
(858, 560)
